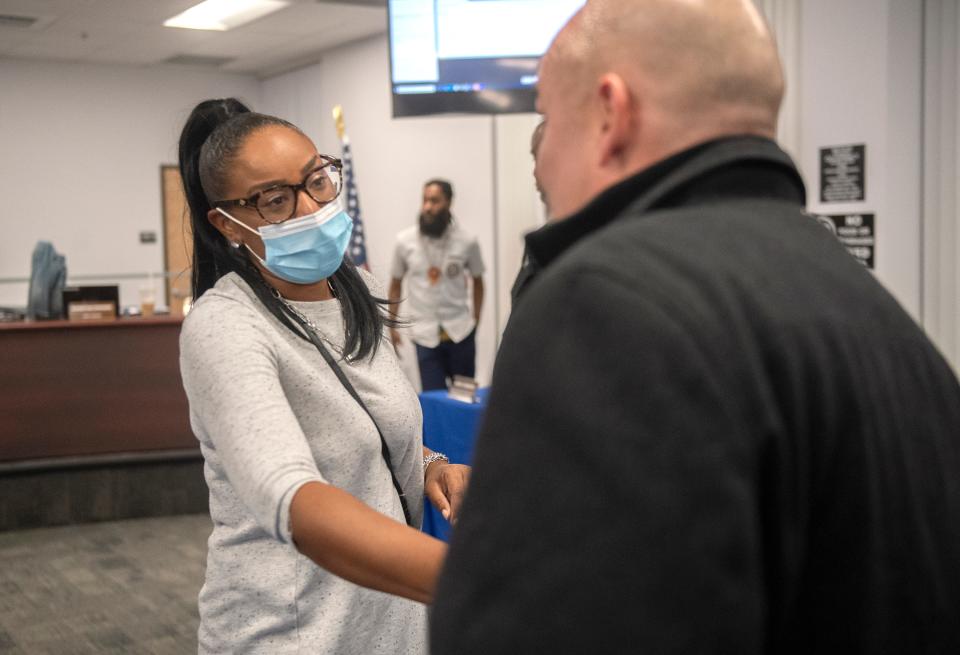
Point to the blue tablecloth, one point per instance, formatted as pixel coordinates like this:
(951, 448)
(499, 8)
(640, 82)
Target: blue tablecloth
(449, 426)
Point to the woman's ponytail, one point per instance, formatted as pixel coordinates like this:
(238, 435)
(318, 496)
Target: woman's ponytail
(209, 249)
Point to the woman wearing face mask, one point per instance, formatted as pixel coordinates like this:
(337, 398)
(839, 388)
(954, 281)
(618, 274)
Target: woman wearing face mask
(309, 429)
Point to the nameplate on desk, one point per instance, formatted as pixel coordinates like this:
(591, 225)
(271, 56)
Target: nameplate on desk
(84, 311)
(463, 389)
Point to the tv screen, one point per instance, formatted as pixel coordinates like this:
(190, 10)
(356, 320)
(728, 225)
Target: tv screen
(473, 56)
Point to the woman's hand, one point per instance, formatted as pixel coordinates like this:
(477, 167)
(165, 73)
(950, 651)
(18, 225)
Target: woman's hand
(445, 484)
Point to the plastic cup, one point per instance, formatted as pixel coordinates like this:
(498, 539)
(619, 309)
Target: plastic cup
(148, 299)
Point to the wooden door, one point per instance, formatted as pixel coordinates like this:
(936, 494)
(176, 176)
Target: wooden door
(178, 239)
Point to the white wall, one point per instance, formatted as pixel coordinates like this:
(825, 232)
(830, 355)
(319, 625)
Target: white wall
(393, 158)
(861, 81)
(941, 227)
(80, 153)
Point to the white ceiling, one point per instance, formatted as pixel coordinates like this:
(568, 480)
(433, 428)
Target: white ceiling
(131, 32)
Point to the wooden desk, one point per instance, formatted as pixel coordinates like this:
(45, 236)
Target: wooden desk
(91, 388)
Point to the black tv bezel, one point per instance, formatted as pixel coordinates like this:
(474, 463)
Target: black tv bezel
(500, 101)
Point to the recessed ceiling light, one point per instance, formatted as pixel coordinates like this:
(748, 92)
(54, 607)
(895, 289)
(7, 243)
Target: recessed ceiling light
(223, 15)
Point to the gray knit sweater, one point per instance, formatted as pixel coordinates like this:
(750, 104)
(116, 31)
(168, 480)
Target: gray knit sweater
(270, 416)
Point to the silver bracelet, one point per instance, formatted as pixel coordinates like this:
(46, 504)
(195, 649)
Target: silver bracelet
(434, 457)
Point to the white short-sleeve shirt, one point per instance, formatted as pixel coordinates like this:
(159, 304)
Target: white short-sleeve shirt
(442, 303)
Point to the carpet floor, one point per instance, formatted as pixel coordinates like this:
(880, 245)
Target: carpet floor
(119, 587)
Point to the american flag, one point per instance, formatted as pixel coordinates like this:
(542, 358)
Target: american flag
(358, 246)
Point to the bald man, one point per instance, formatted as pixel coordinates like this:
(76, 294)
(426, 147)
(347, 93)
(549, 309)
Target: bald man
(527, 268)
(710, 429)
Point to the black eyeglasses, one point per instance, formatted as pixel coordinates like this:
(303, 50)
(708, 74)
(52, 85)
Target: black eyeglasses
(279, 203)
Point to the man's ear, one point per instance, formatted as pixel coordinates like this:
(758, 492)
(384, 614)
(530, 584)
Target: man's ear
(618, 107)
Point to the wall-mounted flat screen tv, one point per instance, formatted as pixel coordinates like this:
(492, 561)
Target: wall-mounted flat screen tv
(470, 56)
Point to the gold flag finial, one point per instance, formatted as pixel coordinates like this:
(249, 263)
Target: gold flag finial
(338, 121)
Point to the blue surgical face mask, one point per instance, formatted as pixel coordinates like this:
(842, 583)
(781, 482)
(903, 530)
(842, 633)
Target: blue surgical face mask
(304, 250)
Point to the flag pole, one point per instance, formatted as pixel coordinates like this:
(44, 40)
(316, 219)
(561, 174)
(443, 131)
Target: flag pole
(339, 122)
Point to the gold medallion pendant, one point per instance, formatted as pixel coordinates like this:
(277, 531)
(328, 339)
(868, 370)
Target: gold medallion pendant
(433, 274)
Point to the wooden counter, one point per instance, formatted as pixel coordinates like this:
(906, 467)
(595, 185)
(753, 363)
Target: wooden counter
(91, 388)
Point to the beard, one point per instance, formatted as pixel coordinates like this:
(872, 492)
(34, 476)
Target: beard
(434, 226)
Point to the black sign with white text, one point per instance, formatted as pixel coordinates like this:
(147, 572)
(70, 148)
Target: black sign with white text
(856, 232)
(843, 173)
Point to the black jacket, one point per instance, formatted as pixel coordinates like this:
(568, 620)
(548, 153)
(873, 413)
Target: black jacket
(710, 431)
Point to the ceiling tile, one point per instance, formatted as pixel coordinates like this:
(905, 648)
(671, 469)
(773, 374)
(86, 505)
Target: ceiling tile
(9, 39)
(35, 7)
(307, 19)
(53, 47)
(140, 12)
(151, 47)
(131, 32)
